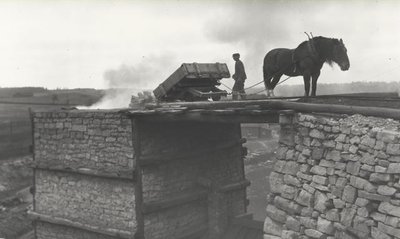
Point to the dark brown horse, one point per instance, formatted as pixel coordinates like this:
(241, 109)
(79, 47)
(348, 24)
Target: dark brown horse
(306, 60)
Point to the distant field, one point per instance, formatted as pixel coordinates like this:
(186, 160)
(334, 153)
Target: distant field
(15, 123)
(15, 129)
(20, 112)
(62, 98)
(15, 199)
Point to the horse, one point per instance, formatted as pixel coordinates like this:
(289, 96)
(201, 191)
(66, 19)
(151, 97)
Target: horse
(306, 60)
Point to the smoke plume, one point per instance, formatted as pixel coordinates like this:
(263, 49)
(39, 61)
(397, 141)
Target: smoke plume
(128, 80)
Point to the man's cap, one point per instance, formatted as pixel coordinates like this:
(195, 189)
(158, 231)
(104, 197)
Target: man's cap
(236, 54)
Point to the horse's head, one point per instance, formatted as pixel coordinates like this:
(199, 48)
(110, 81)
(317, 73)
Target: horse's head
(339, 55)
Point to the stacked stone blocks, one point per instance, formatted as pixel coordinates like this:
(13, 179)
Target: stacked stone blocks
(335, 177)
(100, 140)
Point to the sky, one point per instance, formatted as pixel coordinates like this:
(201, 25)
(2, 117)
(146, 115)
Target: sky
(138, 44)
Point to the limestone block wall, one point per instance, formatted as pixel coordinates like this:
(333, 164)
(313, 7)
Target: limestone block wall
(89, 139)
(84, 175)
(335, 177)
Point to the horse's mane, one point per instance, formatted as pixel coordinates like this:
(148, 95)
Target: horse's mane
(323, 46)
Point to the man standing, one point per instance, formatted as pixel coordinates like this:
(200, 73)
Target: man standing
(239, 77)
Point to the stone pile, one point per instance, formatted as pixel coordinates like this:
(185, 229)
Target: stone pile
(335, 178)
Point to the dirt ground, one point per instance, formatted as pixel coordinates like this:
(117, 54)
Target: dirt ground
(15, 197)
(258, 165)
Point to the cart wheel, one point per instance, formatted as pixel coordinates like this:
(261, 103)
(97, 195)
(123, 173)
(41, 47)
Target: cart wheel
(216, 98)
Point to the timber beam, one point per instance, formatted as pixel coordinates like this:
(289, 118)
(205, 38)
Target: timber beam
(35, 216)
(156, 159)
(121, 174)
(151, 207)
(234, 186)
(270, 105)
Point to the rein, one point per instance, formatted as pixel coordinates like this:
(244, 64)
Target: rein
(287, 78)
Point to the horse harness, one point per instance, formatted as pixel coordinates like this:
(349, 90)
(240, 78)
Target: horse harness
(313, 54)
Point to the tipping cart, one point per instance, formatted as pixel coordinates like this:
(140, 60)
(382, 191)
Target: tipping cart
(194, 82)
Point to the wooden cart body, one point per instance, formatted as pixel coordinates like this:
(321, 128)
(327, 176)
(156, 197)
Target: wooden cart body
(193, 82)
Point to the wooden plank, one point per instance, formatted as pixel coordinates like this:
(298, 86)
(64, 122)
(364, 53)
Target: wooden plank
(143, 112)
(206, 70)
(121, 174)
(300, 107)
(377, 95)
(248, 216)
(342, 109)
(200, 116)
(173, 79)
(83, 226)
(234, 186)
(367, 96)
(218, 112)
(137, 145)
(31, 117)
(167, 157)
(210, 104)
(151, 207)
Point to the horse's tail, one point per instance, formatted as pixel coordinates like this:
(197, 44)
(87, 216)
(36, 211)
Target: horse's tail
(270, 65)
(266, 65)
(265, 72)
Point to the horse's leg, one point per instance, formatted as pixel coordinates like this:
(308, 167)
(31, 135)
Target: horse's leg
(314, 83)
(267, 83)
(306, 78)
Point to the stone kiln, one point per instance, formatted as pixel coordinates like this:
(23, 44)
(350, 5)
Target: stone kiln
(176, 171)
